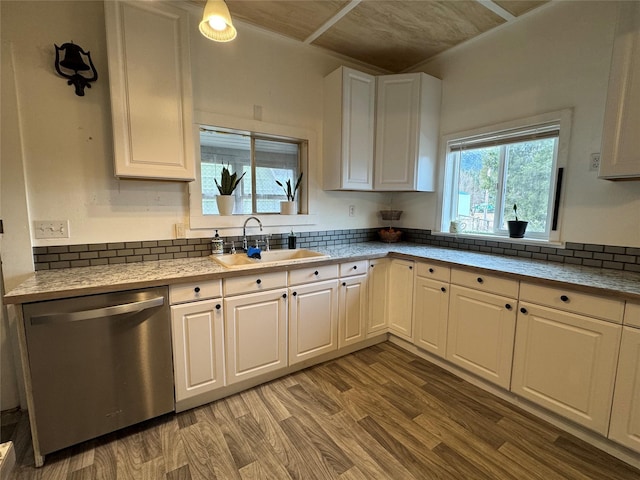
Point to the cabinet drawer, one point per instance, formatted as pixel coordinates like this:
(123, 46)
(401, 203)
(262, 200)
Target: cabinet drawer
(254, 283)
(485, 283)
(313, 274)
(570, 301)
(632, 314)
(353, 268)
(433, 271)
(189, 292)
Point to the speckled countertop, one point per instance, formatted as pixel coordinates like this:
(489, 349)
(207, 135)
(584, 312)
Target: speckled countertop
(72, 282)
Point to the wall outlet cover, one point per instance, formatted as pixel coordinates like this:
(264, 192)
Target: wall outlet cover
(51, 228)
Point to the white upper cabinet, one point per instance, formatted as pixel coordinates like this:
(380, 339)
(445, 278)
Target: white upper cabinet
(349, 115)
(150, 82)
(407, 127)
(620, 156)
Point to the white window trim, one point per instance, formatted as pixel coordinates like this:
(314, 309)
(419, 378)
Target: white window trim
(563, 117)
(199, 221)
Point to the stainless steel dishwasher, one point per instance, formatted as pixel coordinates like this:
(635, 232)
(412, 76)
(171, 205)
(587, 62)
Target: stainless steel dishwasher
(98, 363)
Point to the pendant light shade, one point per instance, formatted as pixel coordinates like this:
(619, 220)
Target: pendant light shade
(216, 22)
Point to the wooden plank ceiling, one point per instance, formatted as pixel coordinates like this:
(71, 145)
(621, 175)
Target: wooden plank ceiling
(393, 35)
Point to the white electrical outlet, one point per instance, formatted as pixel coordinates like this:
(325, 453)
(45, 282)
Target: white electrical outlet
(352, 210)
(180, 230)
(51, 228)
(594, 165)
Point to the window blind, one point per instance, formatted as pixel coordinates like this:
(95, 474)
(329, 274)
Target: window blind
(505, 137)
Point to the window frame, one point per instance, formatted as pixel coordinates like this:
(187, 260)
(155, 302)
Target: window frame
(306, 199)
(449, 173)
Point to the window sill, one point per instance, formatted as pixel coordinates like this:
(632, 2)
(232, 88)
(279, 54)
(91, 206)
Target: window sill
(500, 238)
(267, 219)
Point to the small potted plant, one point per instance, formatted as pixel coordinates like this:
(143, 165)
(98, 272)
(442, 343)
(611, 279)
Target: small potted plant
(516, 227)
(288, 207)
(228, 183)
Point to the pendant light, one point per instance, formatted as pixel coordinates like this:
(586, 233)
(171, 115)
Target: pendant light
(216, 22)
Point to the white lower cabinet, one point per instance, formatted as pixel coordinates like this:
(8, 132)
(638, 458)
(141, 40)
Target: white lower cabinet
(378, 279)
(313, 320)
(625, 414)
(481, 332)
(431, 315)
(352, 310)
(400, 298)
(566, 362)
(255, 333)
(198, 348)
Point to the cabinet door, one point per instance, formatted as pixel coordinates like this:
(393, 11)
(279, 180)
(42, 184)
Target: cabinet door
(352, 310)
(255, 333)
(430, 315)
(377, 321)
(313, 320)
(625, 414)
(198, 352)
(396, 131)
(620, 140)
(150, 82)
(567, 363)
(349, 114)
(400, 307)
(481, 332)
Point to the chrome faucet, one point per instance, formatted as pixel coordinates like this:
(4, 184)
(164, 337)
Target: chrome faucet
(245, 245)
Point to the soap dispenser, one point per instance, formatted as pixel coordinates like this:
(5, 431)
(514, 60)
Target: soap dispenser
(217, 245)
(292, 240)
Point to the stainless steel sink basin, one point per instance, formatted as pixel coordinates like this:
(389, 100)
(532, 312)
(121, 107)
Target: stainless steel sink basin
(274, 257)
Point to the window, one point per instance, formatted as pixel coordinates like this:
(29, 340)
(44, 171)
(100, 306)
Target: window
(490, 171)
(261, 159)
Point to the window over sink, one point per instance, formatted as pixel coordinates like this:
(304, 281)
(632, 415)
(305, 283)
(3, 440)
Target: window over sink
(490, 170)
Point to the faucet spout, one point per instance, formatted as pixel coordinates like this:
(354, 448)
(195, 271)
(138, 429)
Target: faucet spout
(244, 231)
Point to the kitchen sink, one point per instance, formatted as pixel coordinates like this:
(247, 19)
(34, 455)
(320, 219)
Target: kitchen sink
(273, 257)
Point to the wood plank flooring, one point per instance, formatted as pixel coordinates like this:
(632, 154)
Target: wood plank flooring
(381, 413)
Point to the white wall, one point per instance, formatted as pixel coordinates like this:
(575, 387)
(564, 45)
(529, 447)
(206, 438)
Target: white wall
(556, 58)
(68, 139)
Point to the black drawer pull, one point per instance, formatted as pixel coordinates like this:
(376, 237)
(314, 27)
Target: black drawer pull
(411, 267)
(284, 295)
(258, 281)
(479, 279)
(218, 306)
(508, 306)
(443, 289)
(197, 289)
(355, 267)
(295, 294)
(523, 310)
(431, 270)
(316, 272)
(564, 298)
(344, 284)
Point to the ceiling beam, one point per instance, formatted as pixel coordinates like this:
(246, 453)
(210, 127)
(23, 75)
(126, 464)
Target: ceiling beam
(332, 21)
(497, 9)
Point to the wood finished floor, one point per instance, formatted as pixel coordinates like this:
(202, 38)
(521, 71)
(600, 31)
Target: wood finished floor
(381, 413)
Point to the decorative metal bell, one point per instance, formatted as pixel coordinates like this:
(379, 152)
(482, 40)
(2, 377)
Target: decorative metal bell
(73, 61)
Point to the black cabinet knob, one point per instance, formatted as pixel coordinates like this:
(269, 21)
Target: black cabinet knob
(218, 306)
(316, 272)
(479, 279)
(443, 289)
(431, 270)
(258, 281)
(197, 289)
(284, 295)
(344, 284)
(410, 267)
(564, 298)
(507, 306)
(523, 310)
(355, 267)
(295, 294)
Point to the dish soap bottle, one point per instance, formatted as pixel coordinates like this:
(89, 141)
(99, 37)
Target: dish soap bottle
(217, 245)
(292, 240)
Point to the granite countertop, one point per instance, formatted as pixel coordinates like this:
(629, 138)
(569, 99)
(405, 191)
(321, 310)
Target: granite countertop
(72, 282)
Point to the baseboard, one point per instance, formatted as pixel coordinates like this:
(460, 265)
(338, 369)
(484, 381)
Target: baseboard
(7, 460)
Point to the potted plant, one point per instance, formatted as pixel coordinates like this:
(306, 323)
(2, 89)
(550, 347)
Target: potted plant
(228, 183)
(516, 227)
(288, 207)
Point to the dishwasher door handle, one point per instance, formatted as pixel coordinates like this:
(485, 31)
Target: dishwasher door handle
(97, 313)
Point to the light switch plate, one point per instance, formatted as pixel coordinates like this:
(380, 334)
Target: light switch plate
(51, 228)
